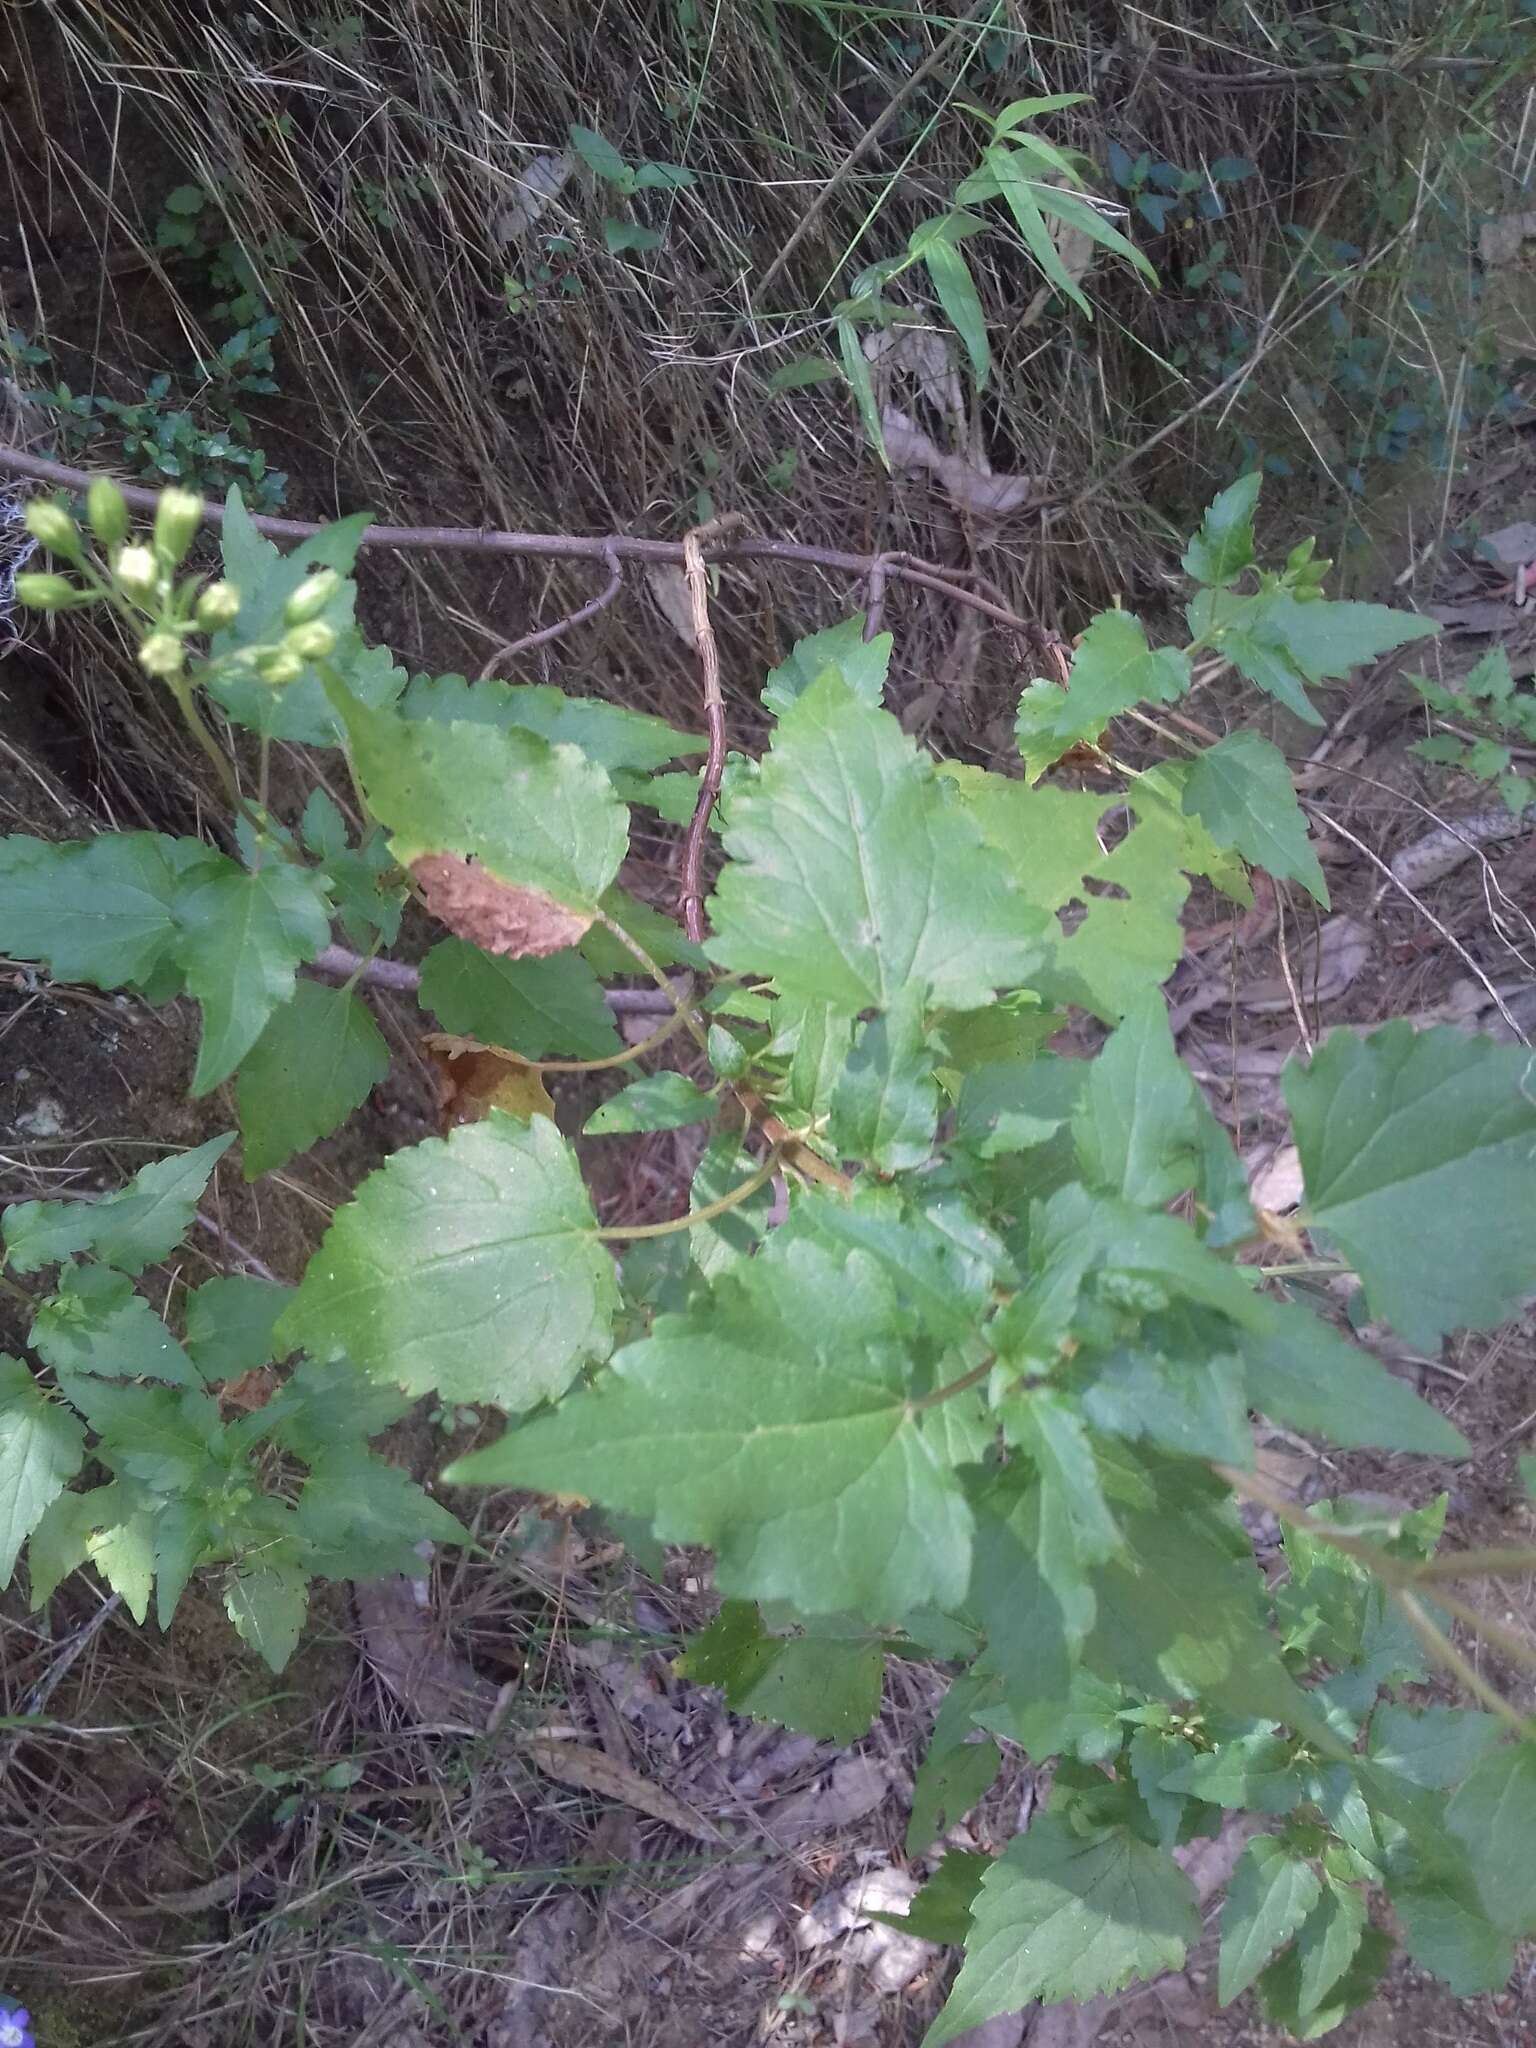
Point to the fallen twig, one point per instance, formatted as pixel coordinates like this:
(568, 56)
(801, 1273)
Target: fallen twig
(545, 634)
(690, 889)
(339, 963)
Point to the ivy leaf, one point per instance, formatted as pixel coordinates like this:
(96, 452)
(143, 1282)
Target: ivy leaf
(656, 1102)
(609, 735)
(885, 1103)
(318, 1059)
(1223, 548)
(135, 1227)
(42, 1446)
(534, 816)
(1301, 1371)
(825, 1682)
(97, 1324)
(1135, 1123)
(775, 1426)
(1433, 1747)
(267, 1604)
(102, 910)
(1063, 1916)
(862, 664)
(470, 1264)
(1494, 1816)
(1241, 791)
(1422, 1139)
(244, 936)
(1113, 671)
(1271, 1892)
(1281, 644)
(538, 1008)
(854, 877)
(230, 1322)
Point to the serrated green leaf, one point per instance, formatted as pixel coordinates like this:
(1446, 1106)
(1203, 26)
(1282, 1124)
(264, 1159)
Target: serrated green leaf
(1241, 791)
(266, 580)
(862, 664)
(1195, 1406)
(941, 1264)
(660, 936)
(1113, 671)
(124, 1554)
(136, 1226)
(1446, 1928)
(1030, 1592)
(1223, 548)
(1060, 1916)
(717, 1245)
(656, 1102)
(365, 1517)
(61, 1540)
(267, 1604)
(244, 937)
(1432, 1746)
(1153, 1754)
(1123, 934)
(774, 1425)
(318, 1059)
(101, 910)
(326, 1402)
(1301, 1371)
(42, 1447)
(1271, 1892)
(885, 1103)
(855, 878)
(1256, 1772)
(941, 1911)
(1281, 644)
(608, 734)
(181, 1539)
(537, 1008)
(1326, 1943)
(470, 1264)
(825, 1681)
(535, 816)
(1493, 1815)
(230, 1323)
(1134, 1125)
(167, 1437)
(1422, 1139)
(97, 1324)
(957, 1770)
(1049, 1429)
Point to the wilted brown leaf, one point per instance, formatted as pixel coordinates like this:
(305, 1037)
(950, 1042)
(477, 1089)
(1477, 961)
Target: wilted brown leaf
(495, 916)
(473, 1079)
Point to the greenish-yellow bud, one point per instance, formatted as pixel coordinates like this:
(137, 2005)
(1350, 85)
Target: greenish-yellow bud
(311, 597)
(279, 666)
(217, 607)
(161, 655)
(42, 593)
(312, 642)
(107, 510)
(135, 572)
(177, 518)
(52, 525)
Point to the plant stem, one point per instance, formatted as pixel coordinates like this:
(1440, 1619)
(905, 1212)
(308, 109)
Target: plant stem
(195, 723)
(963, 1385)
(669, 1029)
(707, 1214)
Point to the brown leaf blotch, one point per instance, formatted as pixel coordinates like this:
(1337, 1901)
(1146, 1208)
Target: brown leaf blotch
(523, 924)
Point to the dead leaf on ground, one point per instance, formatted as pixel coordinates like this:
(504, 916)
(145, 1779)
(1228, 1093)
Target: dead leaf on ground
(968, 486)
(498, 917)
(589, 1770)
(1322, 968)
(1502, 241)
(1277, 1184)
(473, 1079)
(1511, 545)
(856, 1786)
(669, 587)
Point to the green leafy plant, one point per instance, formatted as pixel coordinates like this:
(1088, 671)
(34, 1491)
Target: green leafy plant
(608, 167)
(974, 1390)
(1502, 718)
